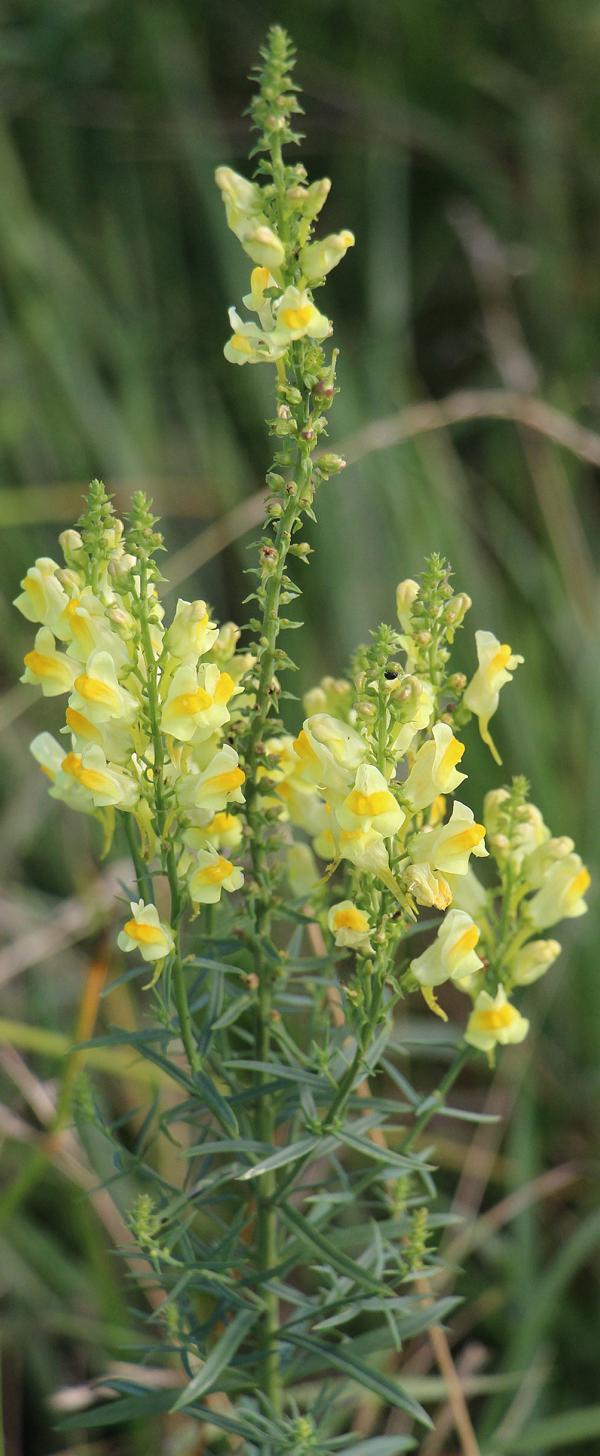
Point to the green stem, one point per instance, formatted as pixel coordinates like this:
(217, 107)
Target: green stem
(167, 851)
(436, 1100)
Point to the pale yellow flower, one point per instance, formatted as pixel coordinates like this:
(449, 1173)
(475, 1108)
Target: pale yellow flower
(191, 632)
(43, 598)
(350, 927)
(213, 874)
(434, 770)
(533, 961)
(370, 804)
(448, 848)
(48, 669)
(196, 702)
(319, 258)
(452, 955)
(497, 663)
(561, 894)
(146, 933)
(494, 1020)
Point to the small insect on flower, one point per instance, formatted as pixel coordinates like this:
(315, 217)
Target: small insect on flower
(146, 933)
(497, 663)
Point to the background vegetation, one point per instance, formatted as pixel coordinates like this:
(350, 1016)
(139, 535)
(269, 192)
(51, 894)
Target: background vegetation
(463, 145)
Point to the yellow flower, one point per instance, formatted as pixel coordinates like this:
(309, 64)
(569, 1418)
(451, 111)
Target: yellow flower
(452, 955)
(251, 345)
(114, 737)
(48, 754)
(366, 849)
(494, 1020)
(212, 875)
(329, 752)
(497, 663)
(98, 695)
(426, 887)
(406, 594)
(86, 628)
(43, 598)
(434, 770)
(544, 857)
(370, 804)
(448, 848)
(319, 258)
(106, 785)
(47, 668)
(146, 933)
(261, 281)
(533, 961)
(350, 926)
(296, 317)
(196, 702)
(420, 707)
(224, 831)
(191, 632)
(243, 208)
(220, 783)
(561, 895)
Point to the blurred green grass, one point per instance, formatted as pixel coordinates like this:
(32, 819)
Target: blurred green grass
(462, 144)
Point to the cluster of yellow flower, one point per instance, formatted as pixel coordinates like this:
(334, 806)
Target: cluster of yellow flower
(285, 313)
(390, 820)
(367, 780)
(89, 646)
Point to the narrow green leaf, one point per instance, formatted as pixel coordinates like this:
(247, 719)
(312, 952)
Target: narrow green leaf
(340, 1357)
(116, 1412)
(380, 1155)
(281, 1157)
(328, 1250)
(218, 1359)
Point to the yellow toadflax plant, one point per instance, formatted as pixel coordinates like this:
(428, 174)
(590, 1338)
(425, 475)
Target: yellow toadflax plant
(277, 877)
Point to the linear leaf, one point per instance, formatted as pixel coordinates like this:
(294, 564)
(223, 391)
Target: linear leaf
(281, 1157)
(218, 1359)
(381, 1155)
(339, 1356)
(327, 1249)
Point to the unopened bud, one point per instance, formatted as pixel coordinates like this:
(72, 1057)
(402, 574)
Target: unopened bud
(330, 464)
(406, 593)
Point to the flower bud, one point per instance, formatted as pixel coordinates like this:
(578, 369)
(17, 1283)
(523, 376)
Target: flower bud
(406, 593)
(319, 258)
(492, 809)
(330, 464)
(534, 960)
(457, 608)
(72, 548)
